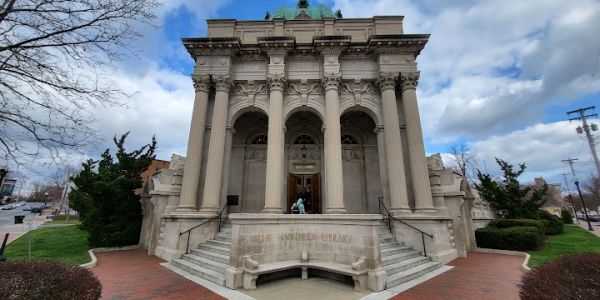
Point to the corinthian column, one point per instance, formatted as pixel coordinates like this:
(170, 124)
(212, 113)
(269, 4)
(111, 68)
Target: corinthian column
(416, 148)
(333, 145)
(216, 148)
(193, 162)
(275, 137)
(393, 144)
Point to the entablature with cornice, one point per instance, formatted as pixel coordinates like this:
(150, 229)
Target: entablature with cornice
(381, 53)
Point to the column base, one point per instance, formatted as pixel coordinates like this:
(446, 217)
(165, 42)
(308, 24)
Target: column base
(272, 210)
(186, 209)
(209, 210)
(397, 211)
(425, 210)
(336, 210)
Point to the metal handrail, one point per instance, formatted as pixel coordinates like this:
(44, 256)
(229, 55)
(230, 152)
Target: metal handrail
(187, 245)
(390, 217)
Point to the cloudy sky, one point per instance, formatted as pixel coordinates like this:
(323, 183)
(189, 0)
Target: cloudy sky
(497, 75)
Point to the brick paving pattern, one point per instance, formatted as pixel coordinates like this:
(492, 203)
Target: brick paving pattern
(479, 276)
(132, 274)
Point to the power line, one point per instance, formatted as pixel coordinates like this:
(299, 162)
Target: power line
(571, 161)
(587, 129)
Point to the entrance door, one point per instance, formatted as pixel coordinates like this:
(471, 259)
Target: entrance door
(307, 187)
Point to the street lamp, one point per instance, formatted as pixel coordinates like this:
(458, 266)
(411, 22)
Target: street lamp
(45, 199)
(584, 209)
(3, 173)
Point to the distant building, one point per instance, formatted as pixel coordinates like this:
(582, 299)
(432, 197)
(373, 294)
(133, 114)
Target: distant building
(554, 199)
(154, 167)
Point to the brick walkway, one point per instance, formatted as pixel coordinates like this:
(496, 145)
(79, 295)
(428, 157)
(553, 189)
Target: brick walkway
(479, 276)
(131, 274)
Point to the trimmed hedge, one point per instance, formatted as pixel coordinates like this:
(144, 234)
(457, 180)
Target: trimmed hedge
(47, 280)
(566, 216)
(506, 223)
(553, 224)
(510, 238)
(569, 277)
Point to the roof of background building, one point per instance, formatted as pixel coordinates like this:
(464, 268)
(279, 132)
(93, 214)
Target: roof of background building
(303, 10)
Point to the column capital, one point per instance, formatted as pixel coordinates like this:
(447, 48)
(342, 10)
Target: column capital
(387, 81)
(276, 82)
(223, 83)
(409, 80)
(331, 80)
(201, 83)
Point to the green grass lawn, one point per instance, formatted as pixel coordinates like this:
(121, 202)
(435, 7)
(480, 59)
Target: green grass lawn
(66, 244)
(63, 222)
(573, 240)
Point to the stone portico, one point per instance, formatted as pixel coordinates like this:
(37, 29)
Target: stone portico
(319, 107)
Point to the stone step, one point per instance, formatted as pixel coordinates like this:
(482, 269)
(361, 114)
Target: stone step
(405, 265)
(226, 239)
(384, 240)
(395, 250)
(210, 275)
(215, 249)
(411, 274)
(206, 263)
(224, 259)
(390, 245)
(219, 243)
(396, 258)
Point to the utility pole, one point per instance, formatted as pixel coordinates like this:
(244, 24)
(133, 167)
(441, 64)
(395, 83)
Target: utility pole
(570, 195)
(586, 128)
(570, 161)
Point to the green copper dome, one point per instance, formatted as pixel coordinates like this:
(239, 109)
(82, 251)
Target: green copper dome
(303, 10)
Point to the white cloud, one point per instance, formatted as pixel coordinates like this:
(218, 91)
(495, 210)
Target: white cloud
(542, 147)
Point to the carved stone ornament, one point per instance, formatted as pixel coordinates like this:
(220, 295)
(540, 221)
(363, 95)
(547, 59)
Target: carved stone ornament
(276, 81)
(387, 81)
(249, 90)
(409, 80)
(223, 83)
(201, 83)
(357, 88)
(304, 88)
(331, 80)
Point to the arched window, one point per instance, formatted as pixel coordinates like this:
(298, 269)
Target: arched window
(260, 139)
(348, 140)
(304, 139)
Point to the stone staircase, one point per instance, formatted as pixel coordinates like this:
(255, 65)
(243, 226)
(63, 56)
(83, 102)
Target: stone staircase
(401, 263)
(210, 259)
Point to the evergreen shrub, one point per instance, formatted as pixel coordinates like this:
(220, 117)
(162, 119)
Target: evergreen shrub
(511, 238)
(553, 224)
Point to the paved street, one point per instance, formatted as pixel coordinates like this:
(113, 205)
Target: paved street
(7, 221)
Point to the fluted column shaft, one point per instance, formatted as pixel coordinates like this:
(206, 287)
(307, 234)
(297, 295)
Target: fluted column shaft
(216, 148)
(275, 143)
(416, 148)
(333, 145)
(383, 164)
(393, 144)
(193, 162)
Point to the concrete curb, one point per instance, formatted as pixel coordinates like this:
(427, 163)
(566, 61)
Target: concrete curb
(524, 266)
(94, 261)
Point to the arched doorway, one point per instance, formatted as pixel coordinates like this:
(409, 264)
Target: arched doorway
(304, 150)
(360, 163)
(248, 165)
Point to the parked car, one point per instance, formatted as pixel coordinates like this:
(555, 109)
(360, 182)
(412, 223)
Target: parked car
(36, 209)
(8, 206)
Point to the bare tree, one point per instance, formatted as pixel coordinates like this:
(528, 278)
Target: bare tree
(463, 161)
(54, 58)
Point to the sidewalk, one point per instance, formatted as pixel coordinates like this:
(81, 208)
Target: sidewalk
(17, 230)
(479, 276)
(595, 226)
(132, 274)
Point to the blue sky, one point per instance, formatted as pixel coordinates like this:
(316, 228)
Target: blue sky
(497, 75)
